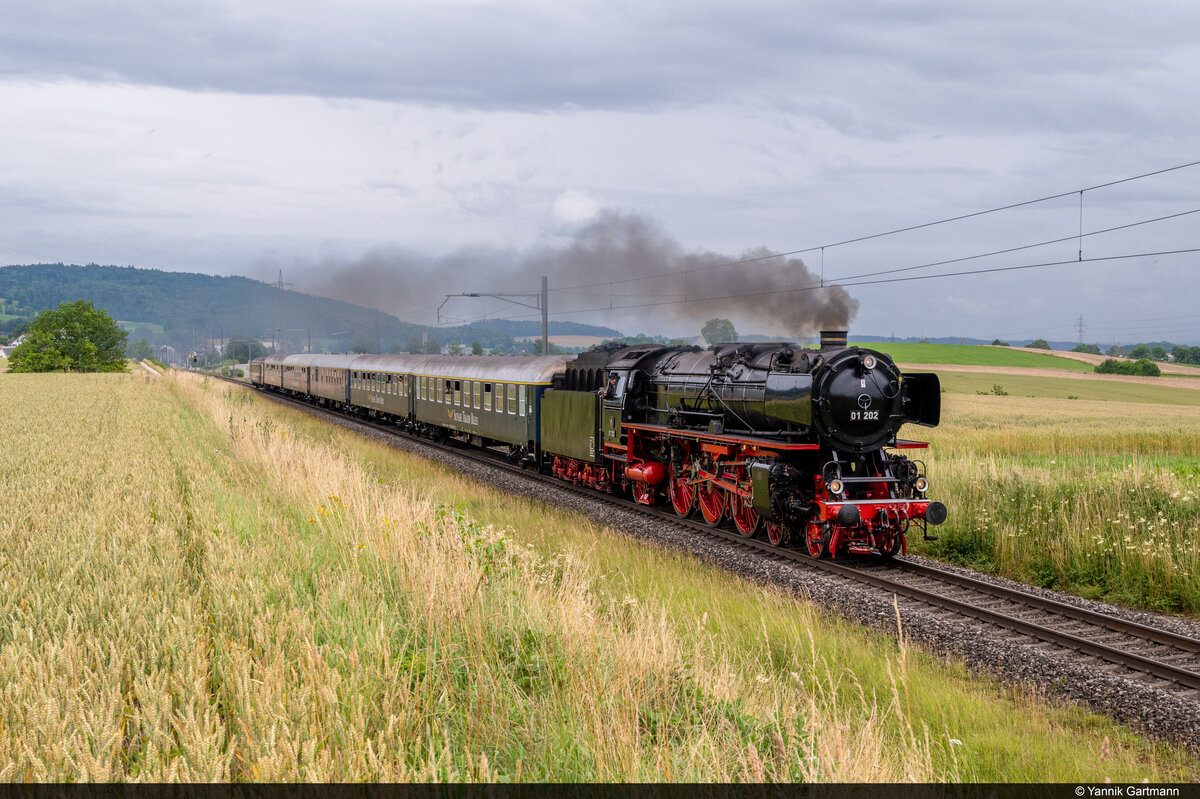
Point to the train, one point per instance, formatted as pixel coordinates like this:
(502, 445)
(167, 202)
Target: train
(797, 445)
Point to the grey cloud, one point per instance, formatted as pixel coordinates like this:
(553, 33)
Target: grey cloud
(916, 64)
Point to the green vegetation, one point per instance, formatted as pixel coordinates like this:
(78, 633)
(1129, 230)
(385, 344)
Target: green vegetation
(1142, 367)
(1099, 498)
(74, 337)
(959, 354)
(248, 594)
(716, 331)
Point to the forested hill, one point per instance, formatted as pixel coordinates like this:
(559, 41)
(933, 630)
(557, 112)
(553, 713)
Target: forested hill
(190, 307)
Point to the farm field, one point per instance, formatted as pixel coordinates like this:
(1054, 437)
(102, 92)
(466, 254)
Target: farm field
(202, 586)
(974, 356)
(1149, 392)
(1088, 487)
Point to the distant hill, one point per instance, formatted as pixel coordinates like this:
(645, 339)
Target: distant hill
(185, 310)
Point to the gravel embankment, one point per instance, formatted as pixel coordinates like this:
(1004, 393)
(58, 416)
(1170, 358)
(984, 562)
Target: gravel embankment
(1059, 674)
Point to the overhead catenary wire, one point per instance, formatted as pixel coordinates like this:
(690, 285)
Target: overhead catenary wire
(882, 234)
(818, 286)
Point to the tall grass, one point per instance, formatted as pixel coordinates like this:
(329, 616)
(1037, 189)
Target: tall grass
(1102, 499)
(202, 587)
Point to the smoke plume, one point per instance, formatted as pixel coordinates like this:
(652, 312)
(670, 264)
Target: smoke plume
(620, 264)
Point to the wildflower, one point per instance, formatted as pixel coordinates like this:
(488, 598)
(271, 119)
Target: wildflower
(955, 742)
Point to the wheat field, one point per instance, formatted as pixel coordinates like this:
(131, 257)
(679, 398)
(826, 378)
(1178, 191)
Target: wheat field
(1098, 498)
(201, 586)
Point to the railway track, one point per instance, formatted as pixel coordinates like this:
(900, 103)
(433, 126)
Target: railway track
(1158, 657)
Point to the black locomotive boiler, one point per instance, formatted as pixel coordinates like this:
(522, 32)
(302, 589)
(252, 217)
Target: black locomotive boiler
(798, 444)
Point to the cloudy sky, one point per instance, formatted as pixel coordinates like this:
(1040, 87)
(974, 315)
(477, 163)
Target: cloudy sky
(393, 152)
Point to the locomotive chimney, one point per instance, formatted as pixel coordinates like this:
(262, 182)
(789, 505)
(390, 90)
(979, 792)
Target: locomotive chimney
(833, 338)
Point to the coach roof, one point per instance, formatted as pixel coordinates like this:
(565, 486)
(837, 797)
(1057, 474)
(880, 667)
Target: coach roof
(495, 368)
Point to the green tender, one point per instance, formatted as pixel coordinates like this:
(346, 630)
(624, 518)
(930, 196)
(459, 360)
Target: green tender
(570, 424)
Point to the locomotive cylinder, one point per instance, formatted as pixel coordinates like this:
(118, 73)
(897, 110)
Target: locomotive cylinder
(650, 473)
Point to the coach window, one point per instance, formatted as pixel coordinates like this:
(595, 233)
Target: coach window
(458, 392)
(521, 401)
(487, 396)
(478, 391)
(512, 398)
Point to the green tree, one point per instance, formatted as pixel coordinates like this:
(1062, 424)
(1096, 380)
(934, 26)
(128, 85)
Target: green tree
(1139, 351)
(1158, 353)
(454, 348)
(1090, 349)
(243, 348)
(74, 337)
(716, 331)
(415, 345)
(17, 327)
(476, 348)
(433, 346)
(1183, 354)
(140, 350)
(1115, 351)
(998, 343)
(1040, 344)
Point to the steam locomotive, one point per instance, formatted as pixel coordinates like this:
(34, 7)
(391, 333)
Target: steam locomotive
(795, 444)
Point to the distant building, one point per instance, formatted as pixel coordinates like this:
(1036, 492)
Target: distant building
(6, 350)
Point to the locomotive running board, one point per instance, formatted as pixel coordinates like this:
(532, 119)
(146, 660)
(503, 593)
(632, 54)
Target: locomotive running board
(764, 443)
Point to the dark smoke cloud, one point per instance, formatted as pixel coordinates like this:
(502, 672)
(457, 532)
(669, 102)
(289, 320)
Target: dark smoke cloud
(622, 261)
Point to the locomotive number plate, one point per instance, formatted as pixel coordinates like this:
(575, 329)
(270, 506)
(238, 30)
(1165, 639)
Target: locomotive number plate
(864, 416)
